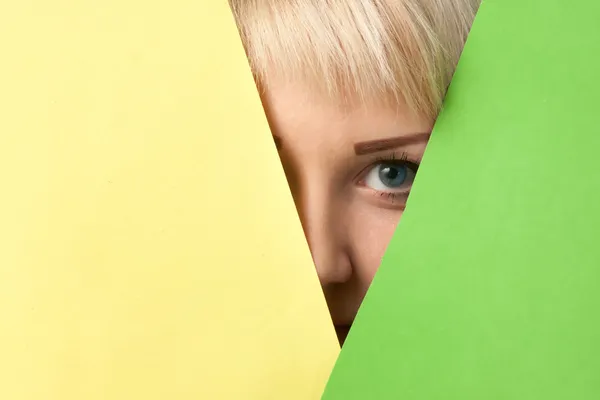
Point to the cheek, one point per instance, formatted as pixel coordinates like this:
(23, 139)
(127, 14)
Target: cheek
(371, 232)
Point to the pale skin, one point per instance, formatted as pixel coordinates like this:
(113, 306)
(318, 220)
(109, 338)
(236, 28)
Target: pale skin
(348, 202)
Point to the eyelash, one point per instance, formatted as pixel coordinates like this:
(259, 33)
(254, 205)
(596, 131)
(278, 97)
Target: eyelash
(392, 158)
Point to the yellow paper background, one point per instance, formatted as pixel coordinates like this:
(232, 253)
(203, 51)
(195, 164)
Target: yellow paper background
(149, 245)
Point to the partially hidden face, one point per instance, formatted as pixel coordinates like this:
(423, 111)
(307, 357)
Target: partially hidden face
(350, 172)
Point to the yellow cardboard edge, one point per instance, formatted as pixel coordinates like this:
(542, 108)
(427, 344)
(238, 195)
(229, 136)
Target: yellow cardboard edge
(149, 245)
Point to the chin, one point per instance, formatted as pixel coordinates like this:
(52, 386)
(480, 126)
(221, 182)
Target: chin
(342, 333)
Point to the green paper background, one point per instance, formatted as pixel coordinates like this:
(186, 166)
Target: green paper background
(490, 288)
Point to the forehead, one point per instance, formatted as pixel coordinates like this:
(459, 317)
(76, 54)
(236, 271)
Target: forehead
(303, 117)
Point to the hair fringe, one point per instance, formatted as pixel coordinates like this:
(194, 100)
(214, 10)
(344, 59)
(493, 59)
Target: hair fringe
(373, 51)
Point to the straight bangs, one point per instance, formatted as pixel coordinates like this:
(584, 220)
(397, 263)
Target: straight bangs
(371, 51)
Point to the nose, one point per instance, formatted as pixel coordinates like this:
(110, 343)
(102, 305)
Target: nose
(322, 221)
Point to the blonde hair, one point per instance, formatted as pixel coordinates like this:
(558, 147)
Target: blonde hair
(373, 50)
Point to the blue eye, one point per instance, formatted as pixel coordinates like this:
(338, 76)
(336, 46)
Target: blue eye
(390, 177)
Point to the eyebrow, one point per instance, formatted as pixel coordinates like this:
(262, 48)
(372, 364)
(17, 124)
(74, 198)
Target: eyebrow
(374, 146)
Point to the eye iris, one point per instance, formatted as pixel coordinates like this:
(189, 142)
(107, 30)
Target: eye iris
(392, 176)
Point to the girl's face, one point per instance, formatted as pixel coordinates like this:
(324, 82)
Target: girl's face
(350, 173)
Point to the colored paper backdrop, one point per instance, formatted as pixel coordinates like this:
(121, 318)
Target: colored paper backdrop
(490, 287)
(149, 245)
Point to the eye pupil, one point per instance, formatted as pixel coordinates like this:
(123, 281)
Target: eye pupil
(392, 176)
(392, 173)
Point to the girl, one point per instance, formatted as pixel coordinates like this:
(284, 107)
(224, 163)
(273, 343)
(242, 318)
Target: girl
(351, 89)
